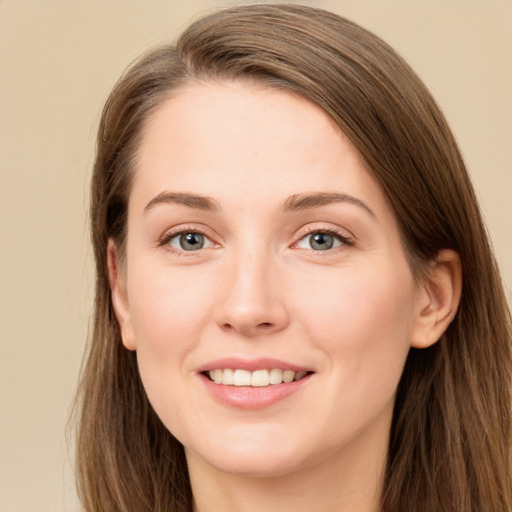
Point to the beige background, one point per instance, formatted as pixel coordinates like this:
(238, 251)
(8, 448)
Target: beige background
(59, 60)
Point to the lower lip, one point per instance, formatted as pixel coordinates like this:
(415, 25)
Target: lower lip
(248, 397)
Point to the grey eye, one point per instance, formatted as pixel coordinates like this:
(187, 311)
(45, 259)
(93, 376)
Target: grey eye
(188, 241)
(320, 241)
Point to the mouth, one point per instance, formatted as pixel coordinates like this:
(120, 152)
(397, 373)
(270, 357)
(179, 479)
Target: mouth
(258, 378)
(254, 384)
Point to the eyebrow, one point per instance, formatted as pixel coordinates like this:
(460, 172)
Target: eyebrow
(183, 198)
(316, 199)
(295, 202)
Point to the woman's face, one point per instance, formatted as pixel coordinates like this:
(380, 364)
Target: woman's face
(260, 247)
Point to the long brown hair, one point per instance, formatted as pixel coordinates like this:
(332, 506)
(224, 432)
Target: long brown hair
(450, 438)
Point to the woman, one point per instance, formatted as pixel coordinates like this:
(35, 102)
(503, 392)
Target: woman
(296, 306)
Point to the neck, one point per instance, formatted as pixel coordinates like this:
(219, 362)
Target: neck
(344, 482)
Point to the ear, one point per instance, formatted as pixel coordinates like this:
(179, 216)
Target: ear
(438, 299)
(117, 278)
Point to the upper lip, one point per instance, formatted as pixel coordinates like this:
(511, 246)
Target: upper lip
(236, 363)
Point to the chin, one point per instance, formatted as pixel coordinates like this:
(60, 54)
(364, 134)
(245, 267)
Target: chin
(256, 458)
(254, 466)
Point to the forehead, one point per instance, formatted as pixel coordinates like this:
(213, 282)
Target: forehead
(241, 140)
(223, 113)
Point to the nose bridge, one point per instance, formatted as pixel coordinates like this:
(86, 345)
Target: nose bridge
(252, 275)
(252, 303)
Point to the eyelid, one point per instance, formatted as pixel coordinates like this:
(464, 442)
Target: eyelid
(343, 235)
(181, 229)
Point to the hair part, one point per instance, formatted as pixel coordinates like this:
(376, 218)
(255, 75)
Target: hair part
(450, 437)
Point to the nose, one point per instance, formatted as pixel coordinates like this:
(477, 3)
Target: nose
(252, 302)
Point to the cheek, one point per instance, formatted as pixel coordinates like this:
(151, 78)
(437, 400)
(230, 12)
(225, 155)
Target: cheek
(166, 307)
(376, 311)
(362, 326)
(370, 304)
(363, 321)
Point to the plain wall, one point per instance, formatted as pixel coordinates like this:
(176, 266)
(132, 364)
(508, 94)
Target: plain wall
(58, 61)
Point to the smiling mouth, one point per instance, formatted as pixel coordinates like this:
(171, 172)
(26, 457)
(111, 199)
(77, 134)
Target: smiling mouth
(257, 378)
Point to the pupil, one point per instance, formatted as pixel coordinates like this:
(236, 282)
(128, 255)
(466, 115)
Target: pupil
(322, 241)
(192, 241)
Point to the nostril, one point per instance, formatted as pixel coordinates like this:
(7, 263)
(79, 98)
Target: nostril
(258, 327)
(262, 324)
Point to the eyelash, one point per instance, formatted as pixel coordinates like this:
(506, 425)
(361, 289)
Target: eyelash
(165, 240)
(338, 235)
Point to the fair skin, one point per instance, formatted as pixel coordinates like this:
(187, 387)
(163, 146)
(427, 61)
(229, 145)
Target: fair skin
(258, 240)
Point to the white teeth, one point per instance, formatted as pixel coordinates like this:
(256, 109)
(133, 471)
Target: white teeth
(228, 377)
(299, 375)
(276, 376)
(288, 375)
(258, 378)
(242, 378)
